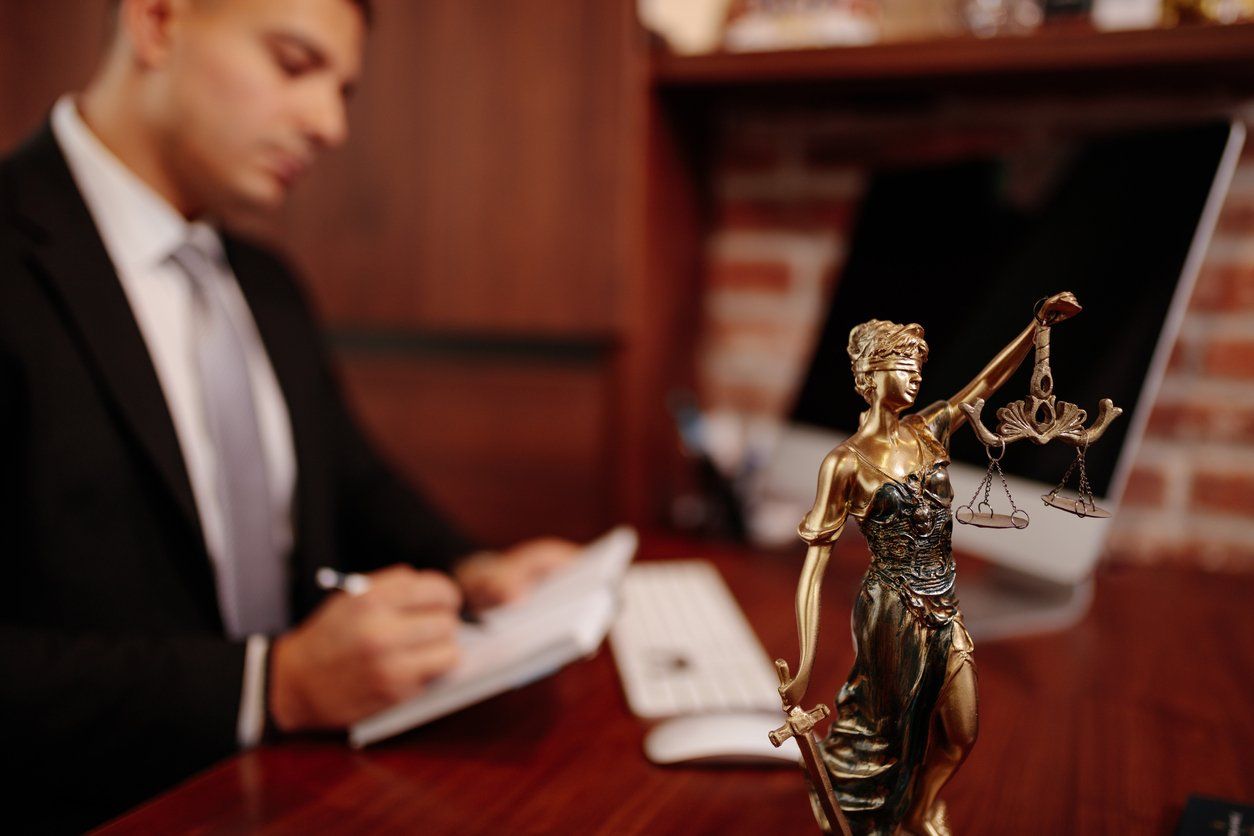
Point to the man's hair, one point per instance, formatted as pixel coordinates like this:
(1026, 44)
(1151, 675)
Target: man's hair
(366, 7)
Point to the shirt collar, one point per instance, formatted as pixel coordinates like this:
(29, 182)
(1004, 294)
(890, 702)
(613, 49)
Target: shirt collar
(139, 227)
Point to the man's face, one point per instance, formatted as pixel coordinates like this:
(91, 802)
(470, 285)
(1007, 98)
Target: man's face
(250, 91)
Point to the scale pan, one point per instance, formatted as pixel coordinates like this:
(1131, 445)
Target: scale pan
(987, 519)
(1075, 506)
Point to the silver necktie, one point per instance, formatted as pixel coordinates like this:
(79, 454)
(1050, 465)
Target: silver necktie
(252, 588)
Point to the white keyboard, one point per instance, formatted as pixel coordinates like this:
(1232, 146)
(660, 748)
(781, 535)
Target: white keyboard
(683, 646)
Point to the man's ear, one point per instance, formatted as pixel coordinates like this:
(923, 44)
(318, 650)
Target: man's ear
(147, 26)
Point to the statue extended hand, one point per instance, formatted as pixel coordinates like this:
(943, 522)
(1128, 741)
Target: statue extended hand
(1058, 307)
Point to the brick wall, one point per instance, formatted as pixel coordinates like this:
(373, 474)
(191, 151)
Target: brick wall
(1192, 493)
(780, 229)
(785, 195)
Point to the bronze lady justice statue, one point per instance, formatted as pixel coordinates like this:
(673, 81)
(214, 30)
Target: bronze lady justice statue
(907, 716)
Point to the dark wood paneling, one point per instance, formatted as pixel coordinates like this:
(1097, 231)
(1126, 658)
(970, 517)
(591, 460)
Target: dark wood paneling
(509, 450)
(46, 49)
(479, 190)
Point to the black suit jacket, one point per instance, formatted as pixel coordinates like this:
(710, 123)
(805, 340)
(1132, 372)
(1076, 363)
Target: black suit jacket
(115, 677)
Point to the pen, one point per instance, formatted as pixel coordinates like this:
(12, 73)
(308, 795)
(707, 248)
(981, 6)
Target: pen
(355, 584)
(350, 582)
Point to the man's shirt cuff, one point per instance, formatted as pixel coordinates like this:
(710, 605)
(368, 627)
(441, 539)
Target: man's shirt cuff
(252, 703)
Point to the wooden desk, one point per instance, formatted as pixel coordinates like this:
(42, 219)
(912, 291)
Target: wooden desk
(1106, 728)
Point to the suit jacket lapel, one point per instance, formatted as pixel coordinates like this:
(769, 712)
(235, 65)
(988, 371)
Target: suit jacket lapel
(67, 251)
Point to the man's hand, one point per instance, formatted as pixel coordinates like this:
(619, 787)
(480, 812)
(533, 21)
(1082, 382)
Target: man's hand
(491, 578)
(358, 654)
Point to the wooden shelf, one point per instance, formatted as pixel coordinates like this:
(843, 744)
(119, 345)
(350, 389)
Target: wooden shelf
(1223, 53)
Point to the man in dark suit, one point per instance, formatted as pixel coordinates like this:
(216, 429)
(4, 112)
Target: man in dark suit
(177, 458)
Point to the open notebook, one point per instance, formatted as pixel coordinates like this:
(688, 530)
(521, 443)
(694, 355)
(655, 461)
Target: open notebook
(564, 619)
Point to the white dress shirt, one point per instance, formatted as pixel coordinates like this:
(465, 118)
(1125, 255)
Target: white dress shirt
(140, 230)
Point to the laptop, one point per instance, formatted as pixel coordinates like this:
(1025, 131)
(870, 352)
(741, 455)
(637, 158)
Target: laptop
(965, 249)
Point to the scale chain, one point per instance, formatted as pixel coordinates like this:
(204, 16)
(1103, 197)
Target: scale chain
(982, 514)
(1014, 509)
(1083, 489)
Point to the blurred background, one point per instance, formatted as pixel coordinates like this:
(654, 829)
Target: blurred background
(561, 227)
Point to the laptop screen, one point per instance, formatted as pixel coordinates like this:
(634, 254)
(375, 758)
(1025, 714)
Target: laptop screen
(966, 249)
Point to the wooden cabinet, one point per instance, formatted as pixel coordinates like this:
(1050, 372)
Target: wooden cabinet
(1207, 56)
(820, 110)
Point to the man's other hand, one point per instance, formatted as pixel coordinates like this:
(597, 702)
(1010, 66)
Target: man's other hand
(358, 654)
(492, 578)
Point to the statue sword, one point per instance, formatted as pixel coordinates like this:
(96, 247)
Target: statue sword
(800, 726)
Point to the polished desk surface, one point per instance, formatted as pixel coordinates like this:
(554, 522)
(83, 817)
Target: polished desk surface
(1105, 728)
